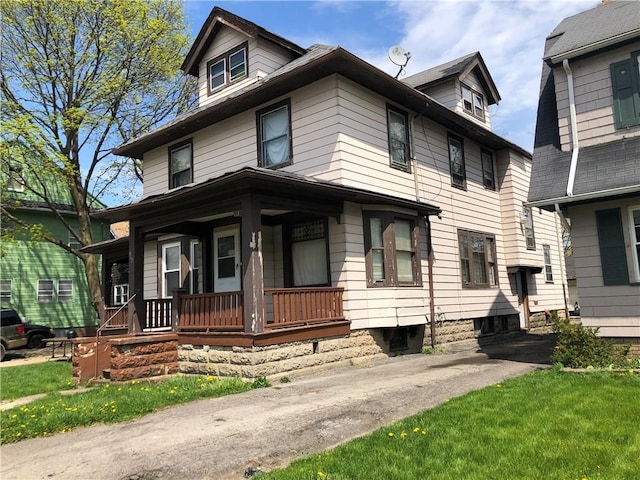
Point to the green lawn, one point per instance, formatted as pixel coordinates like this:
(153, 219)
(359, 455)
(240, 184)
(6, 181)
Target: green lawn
(546, 425)
(17, 382)
(108, 403)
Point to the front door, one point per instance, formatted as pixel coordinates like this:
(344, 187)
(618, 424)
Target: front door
(227, 268)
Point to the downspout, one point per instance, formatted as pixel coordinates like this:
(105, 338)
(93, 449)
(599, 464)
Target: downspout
(574, 129)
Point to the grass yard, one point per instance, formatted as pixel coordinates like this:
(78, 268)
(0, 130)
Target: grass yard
(17, 382)
(108, 403)
(545, 425)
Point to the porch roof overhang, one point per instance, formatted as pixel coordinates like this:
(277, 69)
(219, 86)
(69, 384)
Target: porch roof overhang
(112, 247)
(289, 188)
(518, 268)
(319, 62)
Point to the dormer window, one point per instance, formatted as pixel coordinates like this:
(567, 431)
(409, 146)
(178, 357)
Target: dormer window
(472, 101)
(227, 68)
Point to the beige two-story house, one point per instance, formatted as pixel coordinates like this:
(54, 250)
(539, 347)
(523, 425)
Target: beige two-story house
(586, 161)
(313, 201)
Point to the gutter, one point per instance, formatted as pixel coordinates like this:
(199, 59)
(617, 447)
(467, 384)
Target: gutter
(574, 129)
(611, 192)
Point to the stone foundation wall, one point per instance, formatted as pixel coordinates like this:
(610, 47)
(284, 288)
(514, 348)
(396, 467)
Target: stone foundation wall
(451, 331)
(251, 362)
(634, 343)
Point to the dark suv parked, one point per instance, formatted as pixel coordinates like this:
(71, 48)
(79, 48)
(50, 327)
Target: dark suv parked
(12, 332)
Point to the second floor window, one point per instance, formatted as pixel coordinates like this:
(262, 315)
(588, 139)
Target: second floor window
(456, 162)
(488, 177)
(274, 135)
(227, 68)
(527, 221)
(472, 101)
(5, 291)
(398, 131)
(45, 291)
(625, 83)
(180, 165)
(548, 268)
(74, 242)
(15, 182)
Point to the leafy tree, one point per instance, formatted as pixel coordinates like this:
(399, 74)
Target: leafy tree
(78, 78)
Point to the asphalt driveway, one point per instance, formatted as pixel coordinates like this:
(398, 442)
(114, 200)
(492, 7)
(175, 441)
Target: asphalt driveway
(266, 428)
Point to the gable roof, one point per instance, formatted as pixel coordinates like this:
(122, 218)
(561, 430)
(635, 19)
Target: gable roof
(216, 19)
(458, 68)
(319, 62)
(590, 31)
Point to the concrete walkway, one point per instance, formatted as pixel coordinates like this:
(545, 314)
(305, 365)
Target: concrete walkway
(267, 428)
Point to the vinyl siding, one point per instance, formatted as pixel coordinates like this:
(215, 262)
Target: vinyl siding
(593, 97)
(615, 309)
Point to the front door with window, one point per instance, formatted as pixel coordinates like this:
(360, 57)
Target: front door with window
(227, 267)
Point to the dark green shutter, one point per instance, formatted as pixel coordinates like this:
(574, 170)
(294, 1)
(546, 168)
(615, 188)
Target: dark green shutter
(626, 95)
(613, 257)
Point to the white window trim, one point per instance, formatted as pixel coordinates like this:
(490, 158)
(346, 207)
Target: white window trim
(166, 294)
(65, 297)
(123, 289)
(546, 250)
(53, 292)
(6, 293)
(213, 88)
(634, 242)
(475, 95)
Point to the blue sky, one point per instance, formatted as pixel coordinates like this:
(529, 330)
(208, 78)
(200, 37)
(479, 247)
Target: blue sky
(510, 36)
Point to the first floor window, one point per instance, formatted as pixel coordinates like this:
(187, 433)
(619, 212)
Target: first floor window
(309, 253)
(180, 165)
(274, 135)
(45, 291)
(478, 266)
(65, 290)
(398, 133)
(120, 294)
(456, 162)
(170, 269)
(548, 271)
(5, 290)
(391, 249)
(634, 228)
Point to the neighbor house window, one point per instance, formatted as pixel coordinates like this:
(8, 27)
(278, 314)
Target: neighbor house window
(120, 294)
(456, 162)
(171, 260)
(488, 177)
(613, 256)
(5, 290)
(45, 291)
(634, 228)
(180, 164)
(65, 290)
(74, 242)
(15, 182)
(478, 266)
(527, 221)
(195, 263)
(274, 135)
(227, 68)
(391, 249)
(472, 101)
(309, 263)
(548, 270)
(625, 83)
(398, 132)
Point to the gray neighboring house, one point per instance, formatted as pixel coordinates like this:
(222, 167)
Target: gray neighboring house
(586, 160)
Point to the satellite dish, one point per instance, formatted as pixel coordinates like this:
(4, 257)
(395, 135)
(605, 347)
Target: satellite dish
(399, 56)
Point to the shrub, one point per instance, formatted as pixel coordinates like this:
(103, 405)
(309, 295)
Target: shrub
(580, 347)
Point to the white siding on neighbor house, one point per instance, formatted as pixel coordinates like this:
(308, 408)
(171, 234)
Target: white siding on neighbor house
(613, 308)
(593, 97)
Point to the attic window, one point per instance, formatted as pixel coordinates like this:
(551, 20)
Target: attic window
(15, 183)
(227, 68)
(472, 101)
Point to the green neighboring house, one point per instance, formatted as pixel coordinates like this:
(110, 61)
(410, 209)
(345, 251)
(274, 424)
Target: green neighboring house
(42, 281)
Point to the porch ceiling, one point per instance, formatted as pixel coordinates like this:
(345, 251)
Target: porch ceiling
(279, 191)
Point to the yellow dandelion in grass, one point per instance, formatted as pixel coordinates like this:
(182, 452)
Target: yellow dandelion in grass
(416, 429)
(390, 434)
(211, 378)
(321, 475)
(403, 435)
(424, 432)
(630, 371)
(498, 386)
(133, 382)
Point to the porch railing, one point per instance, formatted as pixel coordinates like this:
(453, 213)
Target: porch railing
(158, 314)
(116, 317)
(287, 307)
(212, 311)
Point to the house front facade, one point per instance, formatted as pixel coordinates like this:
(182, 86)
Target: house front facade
(313, 198)
(586, 160)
